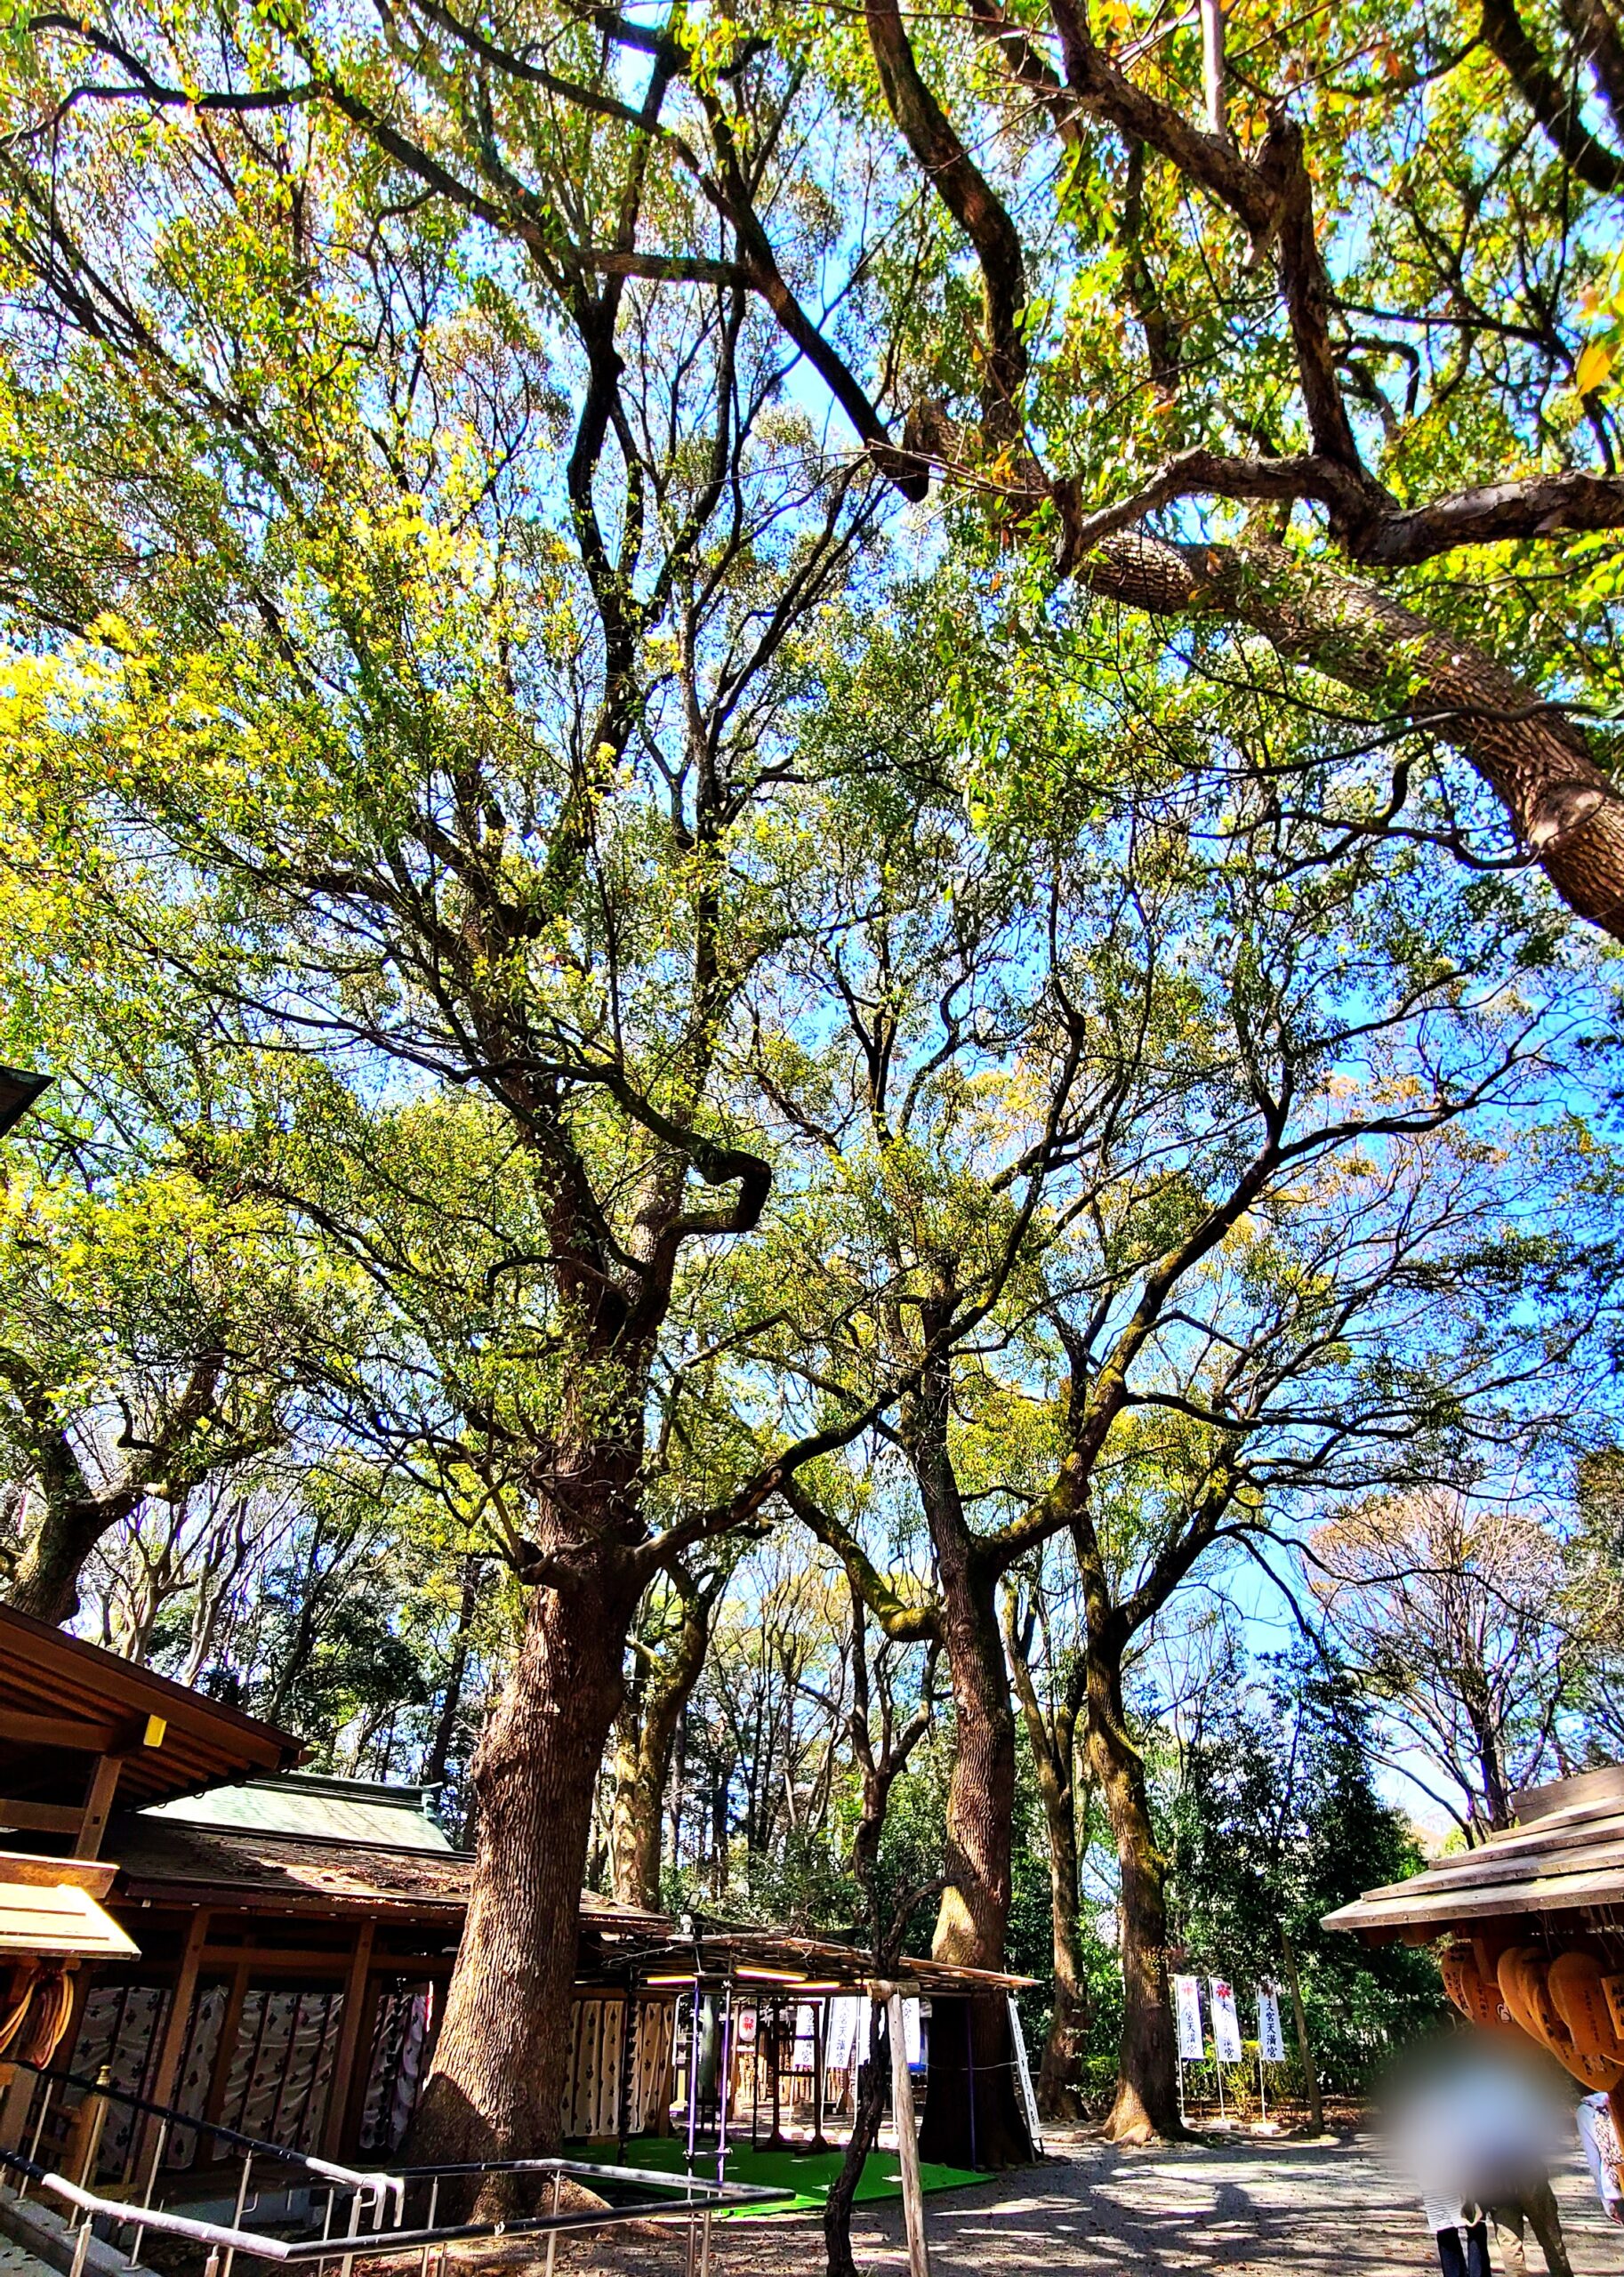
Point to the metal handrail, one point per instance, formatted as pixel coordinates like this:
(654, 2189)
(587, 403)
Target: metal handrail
(351, 2177)
(699, 2195)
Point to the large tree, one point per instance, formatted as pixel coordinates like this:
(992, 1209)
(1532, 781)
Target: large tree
(1447, 1606)
(415, 640)
(1179, 1164)
(1307, 337)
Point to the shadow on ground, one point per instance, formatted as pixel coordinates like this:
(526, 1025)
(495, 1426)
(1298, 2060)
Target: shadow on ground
(1306, 2209)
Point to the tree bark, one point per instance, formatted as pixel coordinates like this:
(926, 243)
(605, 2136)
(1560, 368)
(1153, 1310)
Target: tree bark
(645, 1742)
(1054, 1758)
(46, 1579)
(1564, 806)
(497, 2083)
(1147, 2102)
(972, 2109)
(450, 1701)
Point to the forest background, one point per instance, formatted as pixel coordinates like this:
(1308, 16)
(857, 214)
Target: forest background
(812, 820)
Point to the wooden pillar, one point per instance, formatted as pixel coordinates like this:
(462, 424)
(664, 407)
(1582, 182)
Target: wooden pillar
(230, 2028)
(348, 2040)
(177, 2025)
(907, 2138)
(354, 2106)
(98, 1806)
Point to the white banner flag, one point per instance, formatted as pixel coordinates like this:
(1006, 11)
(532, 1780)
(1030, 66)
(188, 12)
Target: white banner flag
(1271, 2039)
(846, 2042)
(912, 2039)
(1226, 2024)
(1186, 2003)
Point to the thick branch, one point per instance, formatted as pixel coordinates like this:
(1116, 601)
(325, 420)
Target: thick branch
(970, 198)
(1536, 762)
(1559, 110)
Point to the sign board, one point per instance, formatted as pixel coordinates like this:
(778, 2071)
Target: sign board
(1186, 2004)
(1271, 2039)
(1226, 2024)
(913, 2039)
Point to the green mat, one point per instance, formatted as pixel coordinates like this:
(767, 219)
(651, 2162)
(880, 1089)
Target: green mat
(809, 2174)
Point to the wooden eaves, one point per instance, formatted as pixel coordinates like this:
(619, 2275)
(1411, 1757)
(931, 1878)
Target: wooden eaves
(76, 1721)
(1564, 1854)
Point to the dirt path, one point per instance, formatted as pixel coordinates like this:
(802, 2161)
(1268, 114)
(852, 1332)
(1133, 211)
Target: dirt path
(1306, 2209)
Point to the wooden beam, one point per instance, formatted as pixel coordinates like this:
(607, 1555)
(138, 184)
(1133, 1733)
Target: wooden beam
(98, 1806)
(58, 1731)
(348, 2040)
(330, 1961)
(177, 2026)
(42, 1818)
(225, 2048)
(355, 2101)
(81, 1735)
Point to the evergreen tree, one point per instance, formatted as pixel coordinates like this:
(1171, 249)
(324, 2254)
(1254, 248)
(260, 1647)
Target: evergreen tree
(1275, 1821)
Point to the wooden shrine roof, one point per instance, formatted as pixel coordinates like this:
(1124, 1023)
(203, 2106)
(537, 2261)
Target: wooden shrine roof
(168, 1861)
(63, 1701)
(715, 1949)
(1564, 1854)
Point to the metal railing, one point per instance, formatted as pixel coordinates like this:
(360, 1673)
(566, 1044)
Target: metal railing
(368, 2187)
(361, 2228)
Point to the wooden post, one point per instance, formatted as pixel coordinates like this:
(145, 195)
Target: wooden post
(348, 2040)
(355, 2101)
(1311, 2078)
(98, 1806)
(225, 2048)
(177, 2025)
(907, 2138)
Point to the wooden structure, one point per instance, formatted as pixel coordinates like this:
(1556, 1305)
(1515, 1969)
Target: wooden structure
(296, 1934)
(78, 1729)
(1534, 1918)
(286, 1939)
(81, 1731)
(745, 1989)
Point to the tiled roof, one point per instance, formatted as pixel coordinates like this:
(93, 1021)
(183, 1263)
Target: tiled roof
(333, 1810)
(164, 1859)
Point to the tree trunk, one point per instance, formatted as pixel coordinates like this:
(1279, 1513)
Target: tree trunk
(870, 2109)
(646, 1739)
(46, 1579)
(1066, 2045)
(973, 2115)
(451, 1703)
(1147, 2103)
(495, 2086)
(1053, 1742)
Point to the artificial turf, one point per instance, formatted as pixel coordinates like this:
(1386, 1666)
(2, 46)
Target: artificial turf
(807, 2173)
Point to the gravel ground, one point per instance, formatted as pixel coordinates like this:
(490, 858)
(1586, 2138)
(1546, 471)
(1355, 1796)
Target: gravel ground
(1234, 2203)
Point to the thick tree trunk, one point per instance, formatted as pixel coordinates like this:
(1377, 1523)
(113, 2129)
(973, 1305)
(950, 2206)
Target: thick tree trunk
(46, 1582)
(973, 2115)
(1147, 2103)
(974, 1916)
(497, 2083)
